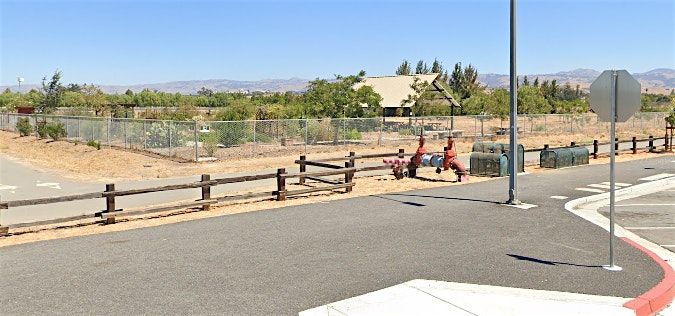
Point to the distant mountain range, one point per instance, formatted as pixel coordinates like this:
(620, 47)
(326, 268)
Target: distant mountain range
(660, 80)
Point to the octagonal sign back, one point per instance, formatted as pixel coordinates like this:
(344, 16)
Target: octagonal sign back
(627, 96)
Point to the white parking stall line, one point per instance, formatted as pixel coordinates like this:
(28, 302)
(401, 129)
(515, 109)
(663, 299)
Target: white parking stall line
(600, 186)
(654, 204)
(618, 184)
(591, 190)
(559, 197)
(649, 227)
(53, 185)
(656, 177)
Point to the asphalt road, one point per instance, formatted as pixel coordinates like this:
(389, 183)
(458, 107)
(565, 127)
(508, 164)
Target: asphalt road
(20, 181)
(286, 260)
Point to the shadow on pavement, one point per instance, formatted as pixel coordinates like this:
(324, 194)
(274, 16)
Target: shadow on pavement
(551, 263)
(444, 198)
(402, 202)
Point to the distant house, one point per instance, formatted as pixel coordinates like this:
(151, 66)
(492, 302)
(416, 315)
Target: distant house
(395, 90)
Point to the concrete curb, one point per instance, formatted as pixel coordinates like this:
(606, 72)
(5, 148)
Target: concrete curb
(662, 294)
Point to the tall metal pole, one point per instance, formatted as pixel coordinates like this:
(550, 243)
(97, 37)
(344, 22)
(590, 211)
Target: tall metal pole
(513, 151)
(612, 153)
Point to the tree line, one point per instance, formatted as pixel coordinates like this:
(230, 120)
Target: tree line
(323, 98)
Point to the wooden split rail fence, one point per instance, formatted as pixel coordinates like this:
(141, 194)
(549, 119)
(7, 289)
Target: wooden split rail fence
(110, 193)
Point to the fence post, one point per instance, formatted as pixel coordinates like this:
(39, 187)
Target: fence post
(344, 131)
(352, 158)
(206, 192)
(306, 134)
(348, 177)
(634, 145)
(125, 133)
(196, 139)
(3, 229)
(616, 146)
(37, 135)
(303, 168)
(110, 203)
(595, 149)
(170, 128)
(281, 184)
(651, 143)
(107, 130)
(92, 131)
(79, 135)
(145, 136)
(572, 144)
(665, 142)
(379, 138)
(255, 144)
(545, 147)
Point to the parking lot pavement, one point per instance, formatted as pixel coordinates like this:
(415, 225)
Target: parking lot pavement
(650, 216)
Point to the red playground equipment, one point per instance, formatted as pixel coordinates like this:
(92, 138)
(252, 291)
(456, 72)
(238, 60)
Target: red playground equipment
(448, 160)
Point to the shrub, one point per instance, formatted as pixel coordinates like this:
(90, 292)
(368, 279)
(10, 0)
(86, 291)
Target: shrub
(55, 130)
(319, 131)
(42, 129)
(354, 134)
(24, 127)
(94, 144)
(210, 142)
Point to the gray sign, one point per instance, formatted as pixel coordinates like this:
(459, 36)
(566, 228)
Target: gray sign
(627, 95)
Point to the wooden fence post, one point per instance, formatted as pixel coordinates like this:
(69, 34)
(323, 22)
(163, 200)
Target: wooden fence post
(281, 184)
(303, 168)
(352, 158)
(634, 140)
(546, 146)
(401, 153)
(651, 143)
(348, 177)
(572, 144)
(595, 149)
(4, 230)
(110, 203)
(616, 146)
(665, 143)
(206, 192)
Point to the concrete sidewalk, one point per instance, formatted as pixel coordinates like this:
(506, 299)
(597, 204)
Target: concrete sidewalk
(428, 297)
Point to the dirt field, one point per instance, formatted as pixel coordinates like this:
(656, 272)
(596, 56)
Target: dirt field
(85, 163)
(363, 187)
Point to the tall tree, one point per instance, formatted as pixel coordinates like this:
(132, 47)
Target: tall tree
(436, 67)
(421, 68)
(525, 81)
(404, 68)
(536, 82)
(53, 92)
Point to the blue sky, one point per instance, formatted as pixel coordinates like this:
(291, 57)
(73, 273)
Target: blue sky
(127, 42)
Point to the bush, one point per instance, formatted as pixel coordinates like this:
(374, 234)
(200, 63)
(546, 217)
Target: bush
(24, 127)
(354, 134)
(55, 130)
(42, 129)
(210, 142)
(94, 144)
(319, 131)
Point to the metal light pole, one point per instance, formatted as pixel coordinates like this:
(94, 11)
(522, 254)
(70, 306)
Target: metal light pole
(513, 145)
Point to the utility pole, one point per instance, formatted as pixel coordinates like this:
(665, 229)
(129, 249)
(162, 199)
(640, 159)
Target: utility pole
(513, 145)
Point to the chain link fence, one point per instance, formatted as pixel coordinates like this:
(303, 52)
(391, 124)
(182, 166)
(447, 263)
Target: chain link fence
(189, 140)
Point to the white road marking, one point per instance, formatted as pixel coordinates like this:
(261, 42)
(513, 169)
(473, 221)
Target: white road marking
(649, 227)
(667, 245)
(7, 187)
(618, 184)
(53, 185)
(591, 190)
(600, 186)
(655, 204)
(522, 206)
(656, 177)
(559, 197)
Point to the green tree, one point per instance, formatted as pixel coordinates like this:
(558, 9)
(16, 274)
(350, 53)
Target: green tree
(530, 101)
(404, 68)
(421, 68)
(339, 98)
(53, 92)
(525, 81)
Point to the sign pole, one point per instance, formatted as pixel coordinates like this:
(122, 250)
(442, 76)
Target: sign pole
(612, 187)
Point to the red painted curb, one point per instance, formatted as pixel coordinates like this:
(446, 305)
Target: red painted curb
(659, 296)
